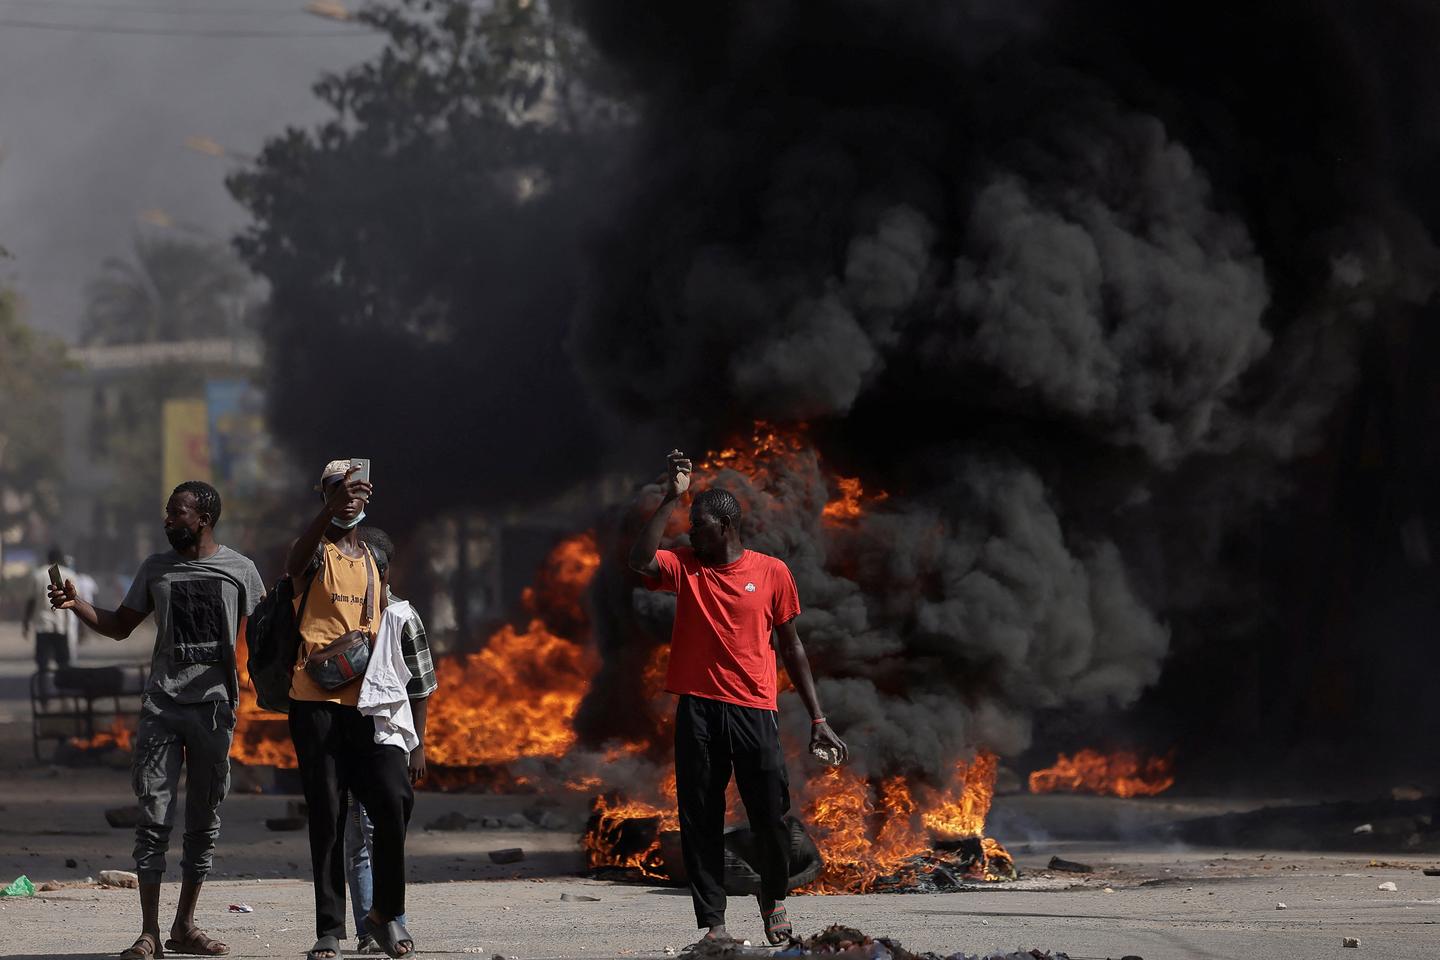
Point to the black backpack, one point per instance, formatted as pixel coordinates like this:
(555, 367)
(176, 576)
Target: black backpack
(273, 637)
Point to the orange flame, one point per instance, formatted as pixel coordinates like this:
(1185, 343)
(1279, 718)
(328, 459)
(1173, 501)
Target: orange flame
(844, 810)
(1120, 774)
(558, 594)
(849, 505)
(118, 736)
(515, 698)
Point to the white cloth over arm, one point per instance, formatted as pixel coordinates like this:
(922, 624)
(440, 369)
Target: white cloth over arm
(382, 691)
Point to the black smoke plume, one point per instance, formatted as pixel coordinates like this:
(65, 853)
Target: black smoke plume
(1076, 283)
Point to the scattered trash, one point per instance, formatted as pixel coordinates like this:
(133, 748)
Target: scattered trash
(1069, 866)
(669, 951)
(1364, 828)
(578, 898)
(1281, 906)
(50, 885)
(119, 878)
(508, 855)
(1350, 942)
(71, 863)
(1388, 886)
(241, 908)
(454, 820)
(123, 818)
(20, 887)
(285, 823)
(1431, 871)
(1108, 890)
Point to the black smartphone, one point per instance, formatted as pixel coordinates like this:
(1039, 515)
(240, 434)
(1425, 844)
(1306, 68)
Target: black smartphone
(55, 577)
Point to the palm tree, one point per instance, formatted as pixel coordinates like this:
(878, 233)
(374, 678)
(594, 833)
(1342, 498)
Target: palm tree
(173, 290)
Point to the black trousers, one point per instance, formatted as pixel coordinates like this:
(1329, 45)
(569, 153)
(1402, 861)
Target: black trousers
(337, 752)
(712, 739)
(52, 647)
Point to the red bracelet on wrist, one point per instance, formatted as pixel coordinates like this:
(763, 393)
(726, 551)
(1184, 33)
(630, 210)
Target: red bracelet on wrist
(817, 720)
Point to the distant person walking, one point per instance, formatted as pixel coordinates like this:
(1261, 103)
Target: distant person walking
(337, 595)
(200, 593)
(730, 602)
(53, 647)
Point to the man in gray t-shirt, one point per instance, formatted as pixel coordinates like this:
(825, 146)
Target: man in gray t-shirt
(200, 592)
(198, 603)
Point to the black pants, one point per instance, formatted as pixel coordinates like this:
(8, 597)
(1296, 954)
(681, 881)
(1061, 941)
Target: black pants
(337, 752)
(52, 647)
(712, 739)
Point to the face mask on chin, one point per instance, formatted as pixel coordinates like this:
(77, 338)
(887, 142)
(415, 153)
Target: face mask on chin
(348, 526)
(181, 538)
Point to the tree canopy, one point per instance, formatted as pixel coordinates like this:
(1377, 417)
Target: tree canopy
(421, 250)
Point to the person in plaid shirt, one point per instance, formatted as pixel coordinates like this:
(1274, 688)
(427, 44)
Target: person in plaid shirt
(416, 648)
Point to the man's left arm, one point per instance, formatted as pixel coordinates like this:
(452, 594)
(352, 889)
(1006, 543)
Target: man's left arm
(797, 666)
(418, 709)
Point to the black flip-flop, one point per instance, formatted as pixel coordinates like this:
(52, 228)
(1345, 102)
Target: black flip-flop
(390, 936)
(324, 943)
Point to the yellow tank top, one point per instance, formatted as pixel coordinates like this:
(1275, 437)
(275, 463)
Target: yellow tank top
(336, 598)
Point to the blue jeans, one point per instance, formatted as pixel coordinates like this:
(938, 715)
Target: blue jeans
(357, 866)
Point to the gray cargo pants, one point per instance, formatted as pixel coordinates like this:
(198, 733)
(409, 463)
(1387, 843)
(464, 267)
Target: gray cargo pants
(169, 732)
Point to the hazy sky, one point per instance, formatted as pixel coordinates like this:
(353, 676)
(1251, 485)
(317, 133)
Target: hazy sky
(93, 124)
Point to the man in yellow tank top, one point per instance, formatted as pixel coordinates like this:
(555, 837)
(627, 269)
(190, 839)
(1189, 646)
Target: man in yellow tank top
(337, 590)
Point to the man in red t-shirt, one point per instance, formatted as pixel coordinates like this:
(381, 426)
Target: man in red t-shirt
(729, 602)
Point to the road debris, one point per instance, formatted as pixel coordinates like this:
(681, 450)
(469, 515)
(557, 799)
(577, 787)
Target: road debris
(19, 887)
(1388, 886)
(119, 878)
(507, 855)
(123, 818)
(1069, 866)
(241, 908)
(1350, 942)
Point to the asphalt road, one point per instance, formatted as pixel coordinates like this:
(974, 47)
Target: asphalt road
(1148, 898)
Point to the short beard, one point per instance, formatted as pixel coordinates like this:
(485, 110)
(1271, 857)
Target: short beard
(181, 538)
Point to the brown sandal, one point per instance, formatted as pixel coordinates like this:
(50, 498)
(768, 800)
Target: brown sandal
(196, 944)
(145, 946)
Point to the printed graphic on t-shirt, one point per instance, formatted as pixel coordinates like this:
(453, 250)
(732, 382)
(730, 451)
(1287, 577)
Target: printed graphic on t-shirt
(197, 621)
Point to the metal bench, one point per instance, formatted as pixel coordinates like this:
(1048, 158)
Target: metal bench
(69, 702)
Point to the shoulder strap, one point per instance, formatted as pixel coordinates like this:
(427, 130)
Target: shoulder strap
(369, 585)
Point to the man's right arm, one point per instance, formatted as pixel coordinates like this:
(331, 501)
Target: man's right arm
(115, 624)
(304, 548)
(676, 481)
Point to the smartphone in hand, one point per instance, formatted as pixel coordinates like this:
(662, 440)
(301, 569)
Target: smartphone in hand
(55, 578)
(361, 466)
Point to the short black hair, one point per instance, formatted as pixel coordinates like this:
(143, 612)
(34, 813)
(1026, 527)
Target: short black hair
(381, 544)
(207, 498)
(56, 555)
(719, 503)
